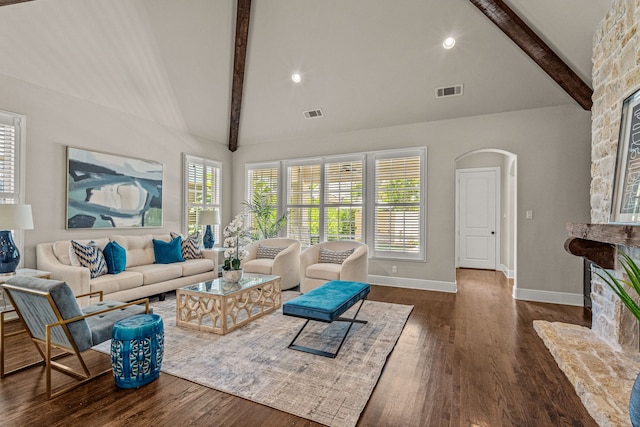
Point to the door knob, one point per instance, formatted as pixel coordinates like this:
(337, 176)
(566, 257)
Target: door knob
(493, 232)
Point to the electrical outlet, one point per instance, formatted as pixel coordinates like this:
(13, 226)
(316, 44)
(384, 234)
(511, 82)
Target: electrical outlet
(394, 269)
(529, 214)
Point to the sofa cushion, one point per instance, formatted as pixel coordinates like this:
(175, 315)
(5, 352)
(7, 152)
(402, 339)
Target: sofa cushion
(110, 283)
(91, 257)
(116, 257)
(101, 325)
(269, 252)
(139, 249)
(191, 267)
(259, 266)
(61, 248)
(155, 273)
(168, 252)
(328, 271)
(190, 245)
(334, 257)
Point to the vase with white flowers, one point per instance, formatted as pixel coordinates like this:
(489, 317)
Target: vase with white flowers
(236, 237)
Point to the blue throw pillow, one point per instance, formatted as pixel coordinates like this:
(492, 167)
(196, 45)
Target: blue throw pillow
(168, 252)
(116, 257)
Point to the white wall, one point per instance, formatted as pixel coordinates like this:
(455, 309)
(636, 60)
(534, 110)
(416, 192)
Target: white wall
(552, 145)
(55, 120)
(553, 149)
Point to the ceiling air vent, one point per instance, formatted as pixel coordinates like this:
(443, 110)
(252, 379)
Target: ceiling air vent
(443, 92)
(313, 114)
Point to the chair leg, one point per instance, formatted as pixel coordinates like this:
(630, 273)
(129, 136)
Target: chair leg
(344, 337)
(3, 336)
(51, 364)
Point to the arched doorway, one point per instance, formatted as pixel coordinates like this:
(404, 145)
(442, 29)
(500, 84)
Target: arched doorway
(506, 216)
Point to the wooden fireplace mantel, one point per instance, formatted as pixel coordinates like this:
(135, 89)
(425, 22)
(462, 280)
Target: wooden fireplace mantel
(597, 242)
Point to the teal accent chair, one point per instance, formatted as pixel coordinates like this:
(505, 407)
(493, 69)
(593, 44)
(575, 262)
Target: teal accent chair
(53, 319)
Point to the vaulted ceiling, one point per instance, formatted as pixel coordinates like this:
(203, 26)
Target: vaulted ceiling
(365, 63)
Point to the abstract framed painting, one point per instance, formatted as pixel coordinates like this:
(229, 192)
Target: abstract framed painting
(625, 204)
(111, 191)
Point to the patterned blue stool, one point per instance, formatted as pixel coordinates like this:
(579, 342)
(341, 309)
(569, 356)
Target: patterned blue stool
(137, 348)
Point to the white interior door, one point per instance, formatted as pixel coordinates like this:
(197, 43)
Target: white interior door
(478, 218)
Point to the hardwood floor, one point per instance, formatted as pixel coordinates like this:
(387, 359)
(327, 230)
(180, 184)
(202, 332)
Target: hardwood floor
(465, 359)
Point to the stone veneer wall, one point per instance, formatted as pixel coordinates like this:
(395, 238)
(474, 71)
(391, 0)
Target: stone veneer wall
(616, 75)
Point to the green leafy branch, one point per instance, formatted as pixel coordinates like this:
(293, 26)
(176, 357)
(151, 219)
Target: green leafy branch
(618, 285)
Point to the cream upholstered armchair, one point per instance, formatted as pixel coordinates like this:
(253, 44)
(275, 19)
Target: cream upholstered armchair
(278, 257)
(346, 260)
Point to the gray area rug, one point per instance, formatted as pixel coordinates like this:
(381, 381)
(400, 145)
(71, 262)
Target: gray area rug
(254, 363)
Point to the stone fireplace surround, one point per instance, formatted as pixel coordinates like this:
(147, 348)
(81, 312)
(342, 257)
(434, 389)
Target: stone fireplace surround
(602, 362)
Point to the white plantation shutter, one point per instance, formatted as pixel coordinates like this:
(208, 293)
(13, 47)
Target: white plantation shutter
(343, 197)
(10, 128)
(202, 191)
(12, 148)
(398, 205)
(304, 183)
(263, 179)
(378, 198)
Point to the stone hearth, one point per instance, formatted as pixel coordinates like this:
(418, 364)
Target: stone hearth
(601, 375)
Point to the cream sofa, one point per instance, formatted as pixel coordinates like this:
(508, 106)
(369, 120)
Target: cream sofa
(285, 263)
(141, 278)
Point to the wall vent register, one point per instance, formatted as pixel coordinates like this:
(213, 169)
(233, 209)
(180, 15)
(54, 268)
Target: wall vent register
(313, 114)
(444, 92)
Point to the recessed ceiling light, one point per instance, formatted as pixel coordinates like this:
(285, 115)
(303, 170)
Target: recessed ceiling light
(296, 77)
(449, 42)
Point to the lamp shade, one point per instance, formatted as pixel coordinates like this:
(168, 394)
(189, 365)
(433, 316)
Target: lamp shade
(16, 217)
(208, 217)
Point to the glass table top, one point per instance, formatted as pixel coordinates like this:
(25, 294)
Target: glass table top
(222, 287)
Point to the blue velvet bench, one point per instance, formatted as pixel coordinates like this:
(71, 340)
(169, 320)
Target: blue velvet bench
(326, 304)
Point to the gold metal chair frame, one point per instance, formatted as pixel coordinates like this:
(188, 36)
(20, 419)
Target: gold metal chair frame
(45, 347)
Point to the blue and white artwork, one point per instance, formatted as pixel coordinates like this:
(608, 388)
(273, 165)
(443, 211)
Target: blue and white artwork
(109, 191)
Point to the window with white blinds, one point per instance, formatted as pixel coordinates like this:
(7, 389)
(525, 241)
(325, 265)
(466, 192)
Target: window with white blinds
(343, 209)
(262, 182)
(12, 146)
(398, 219)
(303, 202)
(202, 191)
(10, 130)
(377, 198)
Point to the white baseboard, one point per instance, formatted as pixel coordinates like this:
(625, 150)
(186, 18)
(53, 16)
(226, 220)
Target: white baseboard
(549, 297)
(406, 282)
(509, 274)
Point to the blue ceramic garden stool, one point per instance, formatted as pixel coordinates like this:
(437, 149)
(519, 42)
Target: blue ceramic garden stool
(137, 348)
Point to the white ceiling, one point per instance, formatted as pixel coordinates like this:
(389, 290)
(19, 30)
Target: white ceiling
(366, 63)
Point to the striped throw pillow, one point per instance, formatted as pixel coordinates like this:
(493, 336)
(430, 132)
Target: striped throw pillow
(333, 257)
(190, 245)
(268, 252)
(91, 257)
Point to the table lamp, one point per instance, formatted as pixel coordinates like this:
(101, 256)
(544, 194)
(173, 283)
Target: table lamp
(12, 217)
(208, 218)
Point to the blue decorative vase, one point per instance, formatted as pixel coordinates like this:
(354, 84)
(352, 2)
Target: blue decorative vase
(9, 254)
(634, 403)
(207, 239)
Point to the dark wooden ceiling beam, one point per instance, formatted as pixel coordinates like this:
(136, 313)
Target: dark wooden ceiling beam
(522, 35)
(243, 12)
(8, 2)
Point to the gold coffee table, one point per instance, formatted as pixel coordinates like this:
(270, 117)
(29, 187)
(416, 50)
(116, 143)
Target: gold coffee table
(220, 307)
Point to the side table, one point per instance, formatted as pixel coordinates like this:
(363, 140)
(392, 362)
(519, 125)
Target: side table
(219, 256)
(4, 305)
